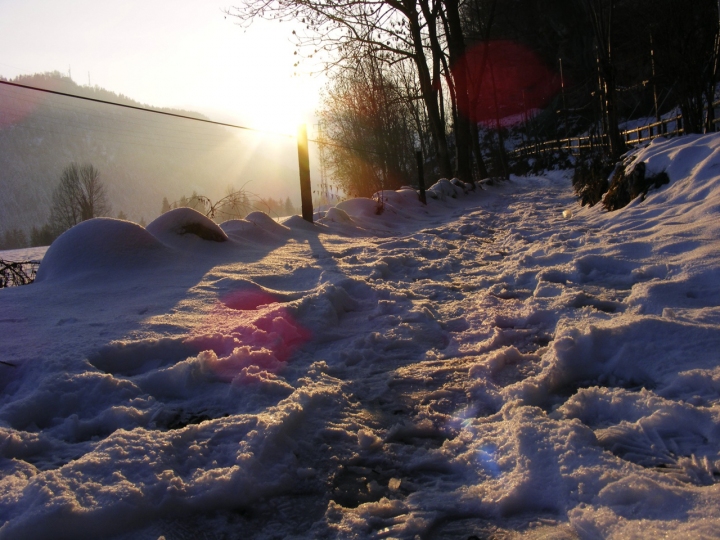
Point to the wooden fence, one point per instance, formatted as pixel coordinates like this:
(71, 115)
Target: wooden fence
(577, 145)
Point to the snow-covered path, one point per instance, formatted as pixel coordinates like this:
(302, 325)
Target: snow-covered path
(484, 367)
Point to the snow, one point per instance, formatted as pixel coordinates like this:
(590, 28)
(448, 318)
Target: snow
(265, 222)
(498, 363)
(24, 254)
(182, 225)
(99, 246)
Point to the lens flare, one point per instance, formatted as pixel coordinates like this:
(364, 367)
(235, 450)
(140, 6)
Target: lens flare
(507, 81)
(19, 104)
(486, 460)
(250, 334)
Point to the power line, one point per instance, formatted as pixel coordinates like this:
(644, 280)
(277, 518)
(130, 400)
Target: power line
(144, 109)
(175, 115)
(87, 111)
(129, 139)
(115, 135)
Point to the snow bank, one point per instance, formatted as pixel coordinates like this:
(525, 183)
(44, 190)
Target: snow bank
(337, 215)
(24, 254)
(444, 189)
(480, 366)
(237, 226)
(265, 222)
(360, 207)
(182, 225)
(99, 245)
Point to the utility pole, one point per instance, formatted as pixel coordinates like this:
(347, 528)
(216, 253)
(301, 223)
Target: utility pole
(421, 176)
(562, 90)
(501, 140)
(304, 165)
(652, 65)
(524, 133)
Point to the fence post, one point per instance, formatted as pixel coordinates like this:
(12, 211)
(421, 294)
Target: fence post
(304, 164)
(421, 175)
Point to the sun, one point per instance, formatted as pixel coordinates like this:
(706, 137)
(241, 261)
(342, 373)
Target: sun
(276, 104)
(276, 118)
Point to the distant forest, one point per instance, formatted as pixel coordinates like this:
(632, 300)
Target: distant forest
(141, 157)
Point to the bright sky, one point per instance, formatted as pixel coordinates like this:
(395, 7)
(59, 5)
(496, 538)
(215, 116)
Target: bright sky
(173, 53)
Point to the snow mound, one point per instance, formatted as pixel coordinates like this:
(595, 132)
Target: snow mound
(404, 203)
(336, 215)
(298, 223)
(444, 189)
(462, 185)
(237, 226)
(242, 230)
(181, 222)
(265, 222)
(691, 163)
(402, 197)
(360, 207)
(96, 245)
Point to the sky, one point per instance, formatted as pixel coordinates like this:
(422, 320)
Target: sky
(167, 53)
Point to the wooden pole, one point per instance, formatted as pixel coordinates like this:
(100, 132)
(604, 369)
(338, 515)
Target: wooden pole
(304, 164)
(654, 77)
(562, 88)
(421, 175)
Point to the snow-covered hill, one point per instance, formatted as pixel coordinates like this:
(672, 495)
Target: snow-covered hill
(483, 366)
(141, 157)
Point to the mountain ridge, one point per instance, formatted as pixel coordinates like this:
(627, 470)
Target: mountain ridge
(142, 157)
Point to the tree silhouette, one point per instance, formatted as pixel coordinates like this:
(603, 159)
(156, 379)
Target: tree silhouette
(79, 196)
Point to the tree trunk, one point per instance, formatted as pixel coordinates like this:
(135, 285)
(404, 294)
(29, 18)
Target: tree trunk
(616, 142)
(601, 20)
(692, 113)
(437, 127)
(498, 126)
(458, 72)
(479, 160)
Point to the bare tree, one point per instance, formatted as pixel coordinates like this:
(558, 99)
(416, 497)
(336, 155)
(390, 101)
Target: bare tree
(79, 196)
(392, 31)
(601, 13)
(235, 204)
(685, 38)
(371, 126)
(93, 195)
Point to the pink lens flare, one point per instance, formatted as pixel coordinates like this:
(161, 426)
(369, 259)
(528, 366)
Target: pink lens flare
(19, 104)
(506, 80)
(249, 331)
